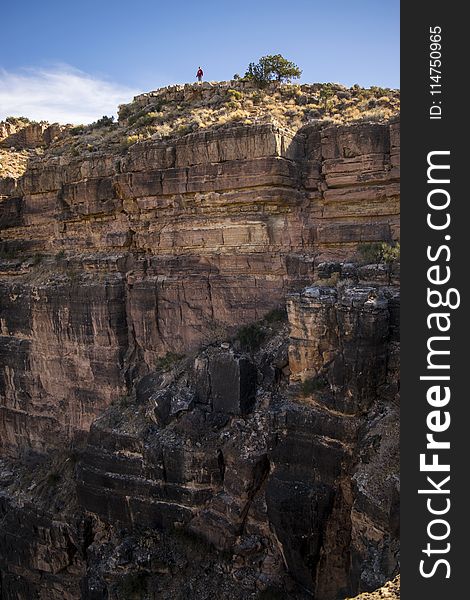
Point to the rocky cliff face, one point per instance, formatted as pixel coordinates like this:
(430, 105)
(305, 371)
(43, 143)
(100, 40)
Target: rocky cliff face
(263, 457)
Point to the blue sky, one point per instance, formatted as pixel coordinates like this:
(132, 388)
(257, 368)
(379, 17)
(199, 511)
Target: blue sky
(103, 52)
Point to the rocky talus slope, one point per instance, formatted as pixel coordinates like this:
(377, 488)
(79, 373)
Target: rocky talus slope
(198, 368)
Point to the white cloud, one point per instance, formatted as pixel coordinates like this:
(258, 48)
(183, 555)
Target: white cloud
(60, 94)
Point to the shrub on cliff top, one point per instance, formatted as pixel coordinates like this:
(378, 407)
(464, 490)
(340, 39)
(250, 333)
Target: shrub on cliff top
(103, 122)
(326, 95)
(234, 94)
(18, 120)
(77, 130)
(272, 67)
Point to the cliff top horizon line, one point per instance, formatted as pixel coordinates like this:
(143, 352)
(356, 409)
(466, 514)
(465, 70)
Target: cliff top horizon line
(327, 90)
(174, 111)
(251, 84)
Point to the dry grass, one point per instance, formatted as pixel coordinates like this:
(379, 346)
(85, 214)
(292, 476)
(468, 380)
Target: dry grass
(13, 163)
(161, 115)
(290, 106)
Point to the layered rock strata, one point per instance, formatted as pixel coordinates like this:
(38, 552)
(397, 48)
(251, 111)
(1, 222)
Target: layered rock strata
(295, 487)
(166, 247)
(272, 452)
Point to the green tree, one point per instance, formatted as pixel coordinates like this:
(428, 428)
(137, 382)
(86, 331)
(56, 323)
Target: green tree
(273, 67)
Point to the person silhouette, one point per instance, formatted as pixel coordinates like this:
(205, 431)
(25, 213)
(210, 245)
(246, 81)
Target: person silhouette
(200, 74)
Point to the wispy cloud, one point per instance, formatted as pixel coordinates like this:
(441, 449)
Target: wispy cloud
(60, 94)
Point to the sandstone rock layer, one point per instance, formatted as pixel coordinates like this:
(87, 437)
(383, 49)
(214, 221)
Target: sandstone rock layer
(168, 246)
(125, 278)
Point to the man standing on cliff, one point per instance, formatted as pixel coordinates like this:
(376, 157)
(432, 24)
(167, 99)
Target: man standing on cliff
(199, 74)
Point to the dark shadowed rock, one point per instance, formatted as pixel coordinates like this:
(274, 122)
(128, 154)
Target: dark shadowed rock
(233, 384)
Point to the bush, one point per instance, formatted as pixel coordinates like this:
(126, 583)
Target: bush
(257, 97)
(273, 67)
(103, 122)
(183, 130)
(391, 253)
(326, 94)
(277, 315)
(234, 94)
(169, 360)
(77, 130)
(379, 252)
(251, 337)
(19, 121)
(129, 140)
(135, 117)
(314, 384)
(146, 119)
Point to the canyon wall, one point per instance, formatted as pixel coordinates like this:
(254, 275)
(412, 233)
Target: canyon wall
(125, 277)
(166, 247)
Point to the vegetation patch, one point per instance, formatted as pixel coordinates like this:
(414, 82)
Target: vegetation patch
(105, 121)
(165, 363)
(277, 315)
(251, 337)
(273, 67)
(129, 141)
(264, 96)
(379, 252)
(314, 384)
(77, 130)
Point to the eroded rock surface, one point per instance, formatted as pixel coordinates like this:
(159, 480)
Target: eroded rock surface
(167, 247)
(152, 448)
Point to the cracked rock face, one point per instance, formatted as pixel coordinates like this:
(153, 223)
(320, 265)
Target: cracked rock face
(168, 247)
(292, 489)
(151, 451)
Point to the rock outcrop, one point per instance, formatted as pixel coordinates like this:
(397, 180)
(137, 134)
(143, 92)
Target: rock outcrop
(22, 135)
(167, 247)
(271, 450)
